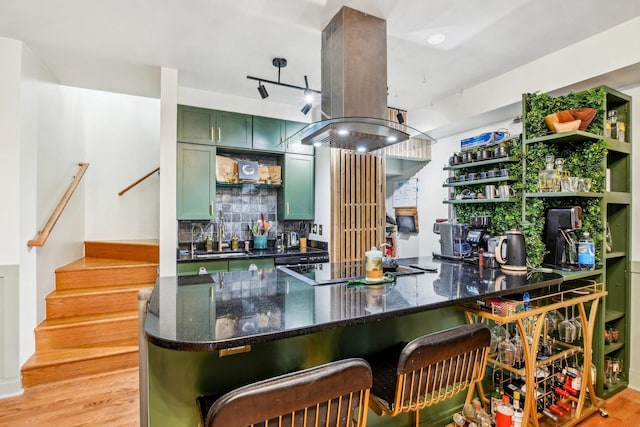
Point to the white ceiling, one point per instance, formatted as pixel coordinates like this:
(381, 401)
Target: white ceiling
(119, 45)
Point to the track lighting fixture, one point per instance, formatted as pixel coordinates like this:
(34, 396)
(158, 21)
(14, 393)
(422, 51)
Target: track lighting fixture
(262, 90)
(399, 114)
(281, 63)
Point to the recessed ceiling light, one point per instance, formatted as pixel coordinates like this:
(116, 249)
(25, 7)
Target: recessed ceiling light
(436, 38)
(317, 144)
(392, 139)
(343, 132)
(361, 149)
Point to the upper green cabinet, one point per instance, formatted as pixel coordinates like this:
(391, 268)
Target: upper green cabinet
(196, 181)
(220, 128)
(290, 129)
(298, 188)
(268, 134)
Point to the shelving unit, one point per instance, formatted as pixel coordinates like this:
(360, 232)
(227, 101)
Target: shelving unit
(613, 201)
(542, 375)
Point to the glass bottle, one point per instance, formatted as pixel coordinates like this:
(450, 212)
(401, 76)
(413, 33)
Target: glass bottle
(559, 172)
(586, 252)
(547, 176)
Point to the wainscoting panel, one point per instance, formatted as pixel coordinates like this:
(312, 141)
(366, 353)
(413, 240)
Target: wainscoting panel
(9, 332)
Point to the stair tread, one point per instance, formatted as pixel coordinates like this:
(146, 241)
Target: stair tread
(114, 289)
(86, 319)
(146, 242)
(67, 355)
(102, 263)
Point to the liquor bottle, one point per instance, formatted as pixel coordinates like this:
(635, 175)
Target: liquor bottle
(504, 413)
(517, 412)
(496, 398)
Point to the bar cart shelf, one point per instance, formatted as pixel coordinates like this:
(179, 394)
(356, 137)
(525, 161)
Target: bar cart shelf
(530, 318)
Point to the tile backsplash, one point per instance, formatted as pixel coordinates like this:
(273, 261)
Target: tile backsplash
(241, 207)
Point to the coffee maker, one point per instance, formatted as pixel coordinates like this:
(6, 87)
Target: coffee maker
(478, 236)
(560, 238)
(453, 240)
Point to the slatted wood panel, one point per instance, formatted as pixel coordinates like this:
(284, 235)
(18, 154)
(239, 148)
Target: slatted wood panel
(357, 204)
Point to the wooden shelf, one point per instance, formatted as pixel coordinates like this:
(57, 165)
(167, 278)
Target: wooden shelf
(246, 184)
(615, 255)
(613, 315)
(617, 197)
(613, 347)
(580, 274)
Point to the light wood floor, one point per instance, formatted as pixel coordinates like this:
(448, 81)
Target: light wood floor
(111, 400)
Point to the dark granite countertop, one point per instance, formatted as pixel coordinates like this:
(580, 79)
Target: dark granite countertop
(270, 252)
(224, 310)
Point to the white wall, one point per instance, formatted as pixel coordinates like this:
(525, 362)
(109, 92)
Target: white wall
(121, 136)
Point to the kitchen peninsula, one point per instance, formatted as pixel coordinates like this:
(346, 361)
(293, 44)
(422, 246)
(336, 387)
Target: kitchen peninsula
(210, 333)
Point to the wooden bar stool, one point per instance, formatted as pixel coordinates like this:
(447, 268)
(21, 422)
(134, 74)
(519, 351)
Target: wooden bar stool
(327, 395)
(429, 369)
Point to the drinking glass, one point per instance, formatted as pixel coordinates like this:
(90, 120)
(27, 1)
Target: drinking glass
(584, 184)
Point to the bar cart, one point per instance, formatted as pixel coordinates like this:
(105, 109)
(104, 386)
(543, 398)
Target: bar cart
(545, 360)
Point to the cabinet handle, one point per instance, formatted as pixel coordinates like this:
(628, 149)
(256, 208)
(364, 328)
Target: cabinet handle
(219, 134)
(287, 208)
(211, 207)
(211, 134)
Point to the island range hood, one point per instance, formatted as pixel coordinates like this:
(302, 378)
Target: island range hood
(354, 112)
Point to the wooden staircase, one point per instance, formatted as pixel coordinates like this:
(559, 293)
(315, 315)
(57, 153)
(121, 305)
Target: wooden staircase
(92, 317)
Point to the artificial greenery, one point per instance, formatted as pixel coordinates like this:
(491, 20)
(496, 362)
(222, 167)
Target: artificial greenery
(586, 159)
(538, 106)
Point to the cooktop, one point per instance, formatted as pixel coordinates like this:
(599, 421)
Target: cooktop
(337, 272)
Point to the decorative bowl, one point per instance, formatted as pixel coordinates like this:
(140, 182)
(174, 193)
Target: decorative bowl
(584, 115)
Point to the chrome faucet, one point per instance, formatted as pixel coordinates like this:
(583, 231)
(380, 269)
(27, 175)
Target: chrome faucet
(193, 241)
(220, 231)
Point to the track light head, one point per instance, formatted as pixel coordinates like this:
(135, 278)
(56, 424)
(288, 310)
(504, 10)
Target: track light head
(262, 90)
(400, 117)
(306, 108)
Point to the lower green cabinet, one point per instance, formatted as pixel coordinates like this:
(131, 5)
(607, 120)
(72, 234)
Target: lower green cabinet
(297, 199)
(196, 181)
(217, 266)
(245, 264)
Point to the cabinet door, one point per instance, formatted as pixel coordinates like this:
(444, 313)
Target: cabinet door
(188, 268)
(267, 134)
(290, 129)
(196, 181)
(195, 125)
(298, 187)
(244, 264)
(233, 130)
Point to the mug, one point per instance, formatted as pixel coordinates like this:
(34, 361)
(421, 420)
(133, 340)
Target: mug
(493, 173)
(504, 172)
(462, 178)
(505, 191)
(490, 191)
(483, 175)
(472, 176)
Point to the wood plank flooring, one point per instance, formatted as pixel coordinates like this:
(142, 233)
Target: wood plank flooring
(111, 400)
(105, 400)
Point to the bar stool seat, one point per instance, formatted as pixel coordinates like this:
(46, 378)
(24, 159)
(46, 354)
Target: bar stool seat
(428, 370)
(327, 395)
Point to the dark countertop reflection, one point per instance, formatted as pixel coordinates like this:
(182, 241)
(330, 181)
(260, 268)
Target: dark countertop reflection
(223, 310)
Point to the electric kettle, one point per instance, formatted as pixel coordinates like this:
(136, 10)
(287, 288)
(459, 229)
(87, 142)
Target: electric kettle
(511, 252)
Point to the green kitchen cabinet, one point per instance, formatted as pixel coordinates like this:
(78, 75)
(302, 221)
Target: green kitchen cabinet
(268, 134)
(195, 125)
(216, 266)
(291, 128)
(297, 197)
(213, 127)
(196, 181)
(245, 264)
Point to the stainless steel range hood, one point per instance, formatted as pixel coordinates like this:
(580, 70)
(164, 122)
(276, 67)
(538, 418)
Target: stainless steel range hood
(354, 112)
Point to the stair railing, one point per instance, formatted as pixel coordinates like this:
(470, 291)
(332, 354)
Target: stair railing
(57, 212)
(139, 181)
